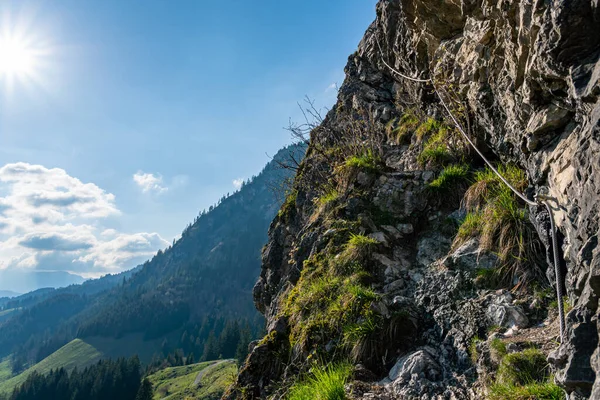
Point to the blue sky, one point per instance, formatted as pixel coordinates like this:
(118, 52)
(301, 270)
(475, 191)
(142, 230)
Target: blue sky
(149, 110)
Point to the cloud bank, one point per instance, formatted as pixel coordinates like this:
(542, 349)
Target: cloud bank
(51, 221)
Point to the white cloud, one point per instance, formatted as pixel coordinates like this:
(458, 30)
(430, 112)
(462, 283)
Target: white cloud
(50, 220)
(123, 250)
(237, 183)
(38, 195)
(149, 182)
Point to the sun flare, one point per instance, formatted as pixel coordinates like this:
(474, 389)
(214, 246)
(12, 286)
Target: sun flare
(16, 58)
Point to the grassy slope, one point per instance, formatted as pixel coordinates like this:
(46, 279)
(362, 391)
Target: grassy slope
(177, 383)
(76, 353)
(80, 353)
(5, 370)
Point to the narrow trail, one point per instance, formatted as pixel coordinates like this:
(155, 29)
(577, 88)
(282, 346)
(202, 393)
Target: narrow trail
(209, 368)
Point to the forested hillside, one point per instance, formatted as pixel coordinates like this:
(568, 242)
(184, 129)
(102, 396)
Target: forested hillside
(177, 295)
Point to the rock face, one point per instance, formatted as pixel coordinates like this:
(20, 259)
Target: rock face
(526, 75)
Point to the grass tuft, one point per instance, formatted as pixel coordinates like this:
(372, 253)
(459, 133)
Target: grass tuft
(533, 391)
(361, 242)
(473, 353)
(428, 127)
(523, 368)
(500, 222)
(435, 153)
(406, 125)
(498, 349)
(443, 145)
(470, 227)
(366, 161)
(450, 178)
(325, 383)
(328, 197)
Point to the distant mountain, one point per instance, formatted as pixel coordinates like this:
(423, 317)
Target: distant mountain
(88, 288)
(8, 293)
(188, 294)
(20, 280)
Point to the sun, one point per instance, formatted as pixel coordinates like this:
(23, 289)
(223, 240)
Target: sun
(17, 58)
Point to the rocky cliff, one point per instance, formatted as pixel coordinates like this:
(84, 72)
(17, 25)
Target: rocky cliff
(399, 251)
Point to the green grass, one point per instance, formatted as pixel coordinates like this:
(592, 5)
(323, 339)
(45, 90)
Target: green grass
(500, 222)
(328, 197)
(288, 206)
(361, 243)
(523, 368)
(523, 375)
(406, 125)
(430, 126)
(437, 149)
(5, 370)
(533, 391)
(498, 349)
(216, 380)
(76, 353)
(366, 161)
(177, 383)
(437, 154)
(470, 226)
(331, 296)
(326, 383)
(450, 177)
(473, 353)
(442, 145)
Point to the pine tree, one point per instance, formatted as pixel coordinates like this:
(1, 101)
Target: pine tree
(190, 359)
(211, 348)
(145, 392)
(242, 347)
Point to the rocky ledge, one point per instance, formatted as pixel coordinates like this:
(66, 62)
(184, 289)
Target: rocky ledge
(391, 205)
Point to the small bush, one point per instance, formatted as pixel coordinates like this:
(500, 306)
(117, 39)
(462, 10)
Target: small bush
(325, 384)
(523, 368)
